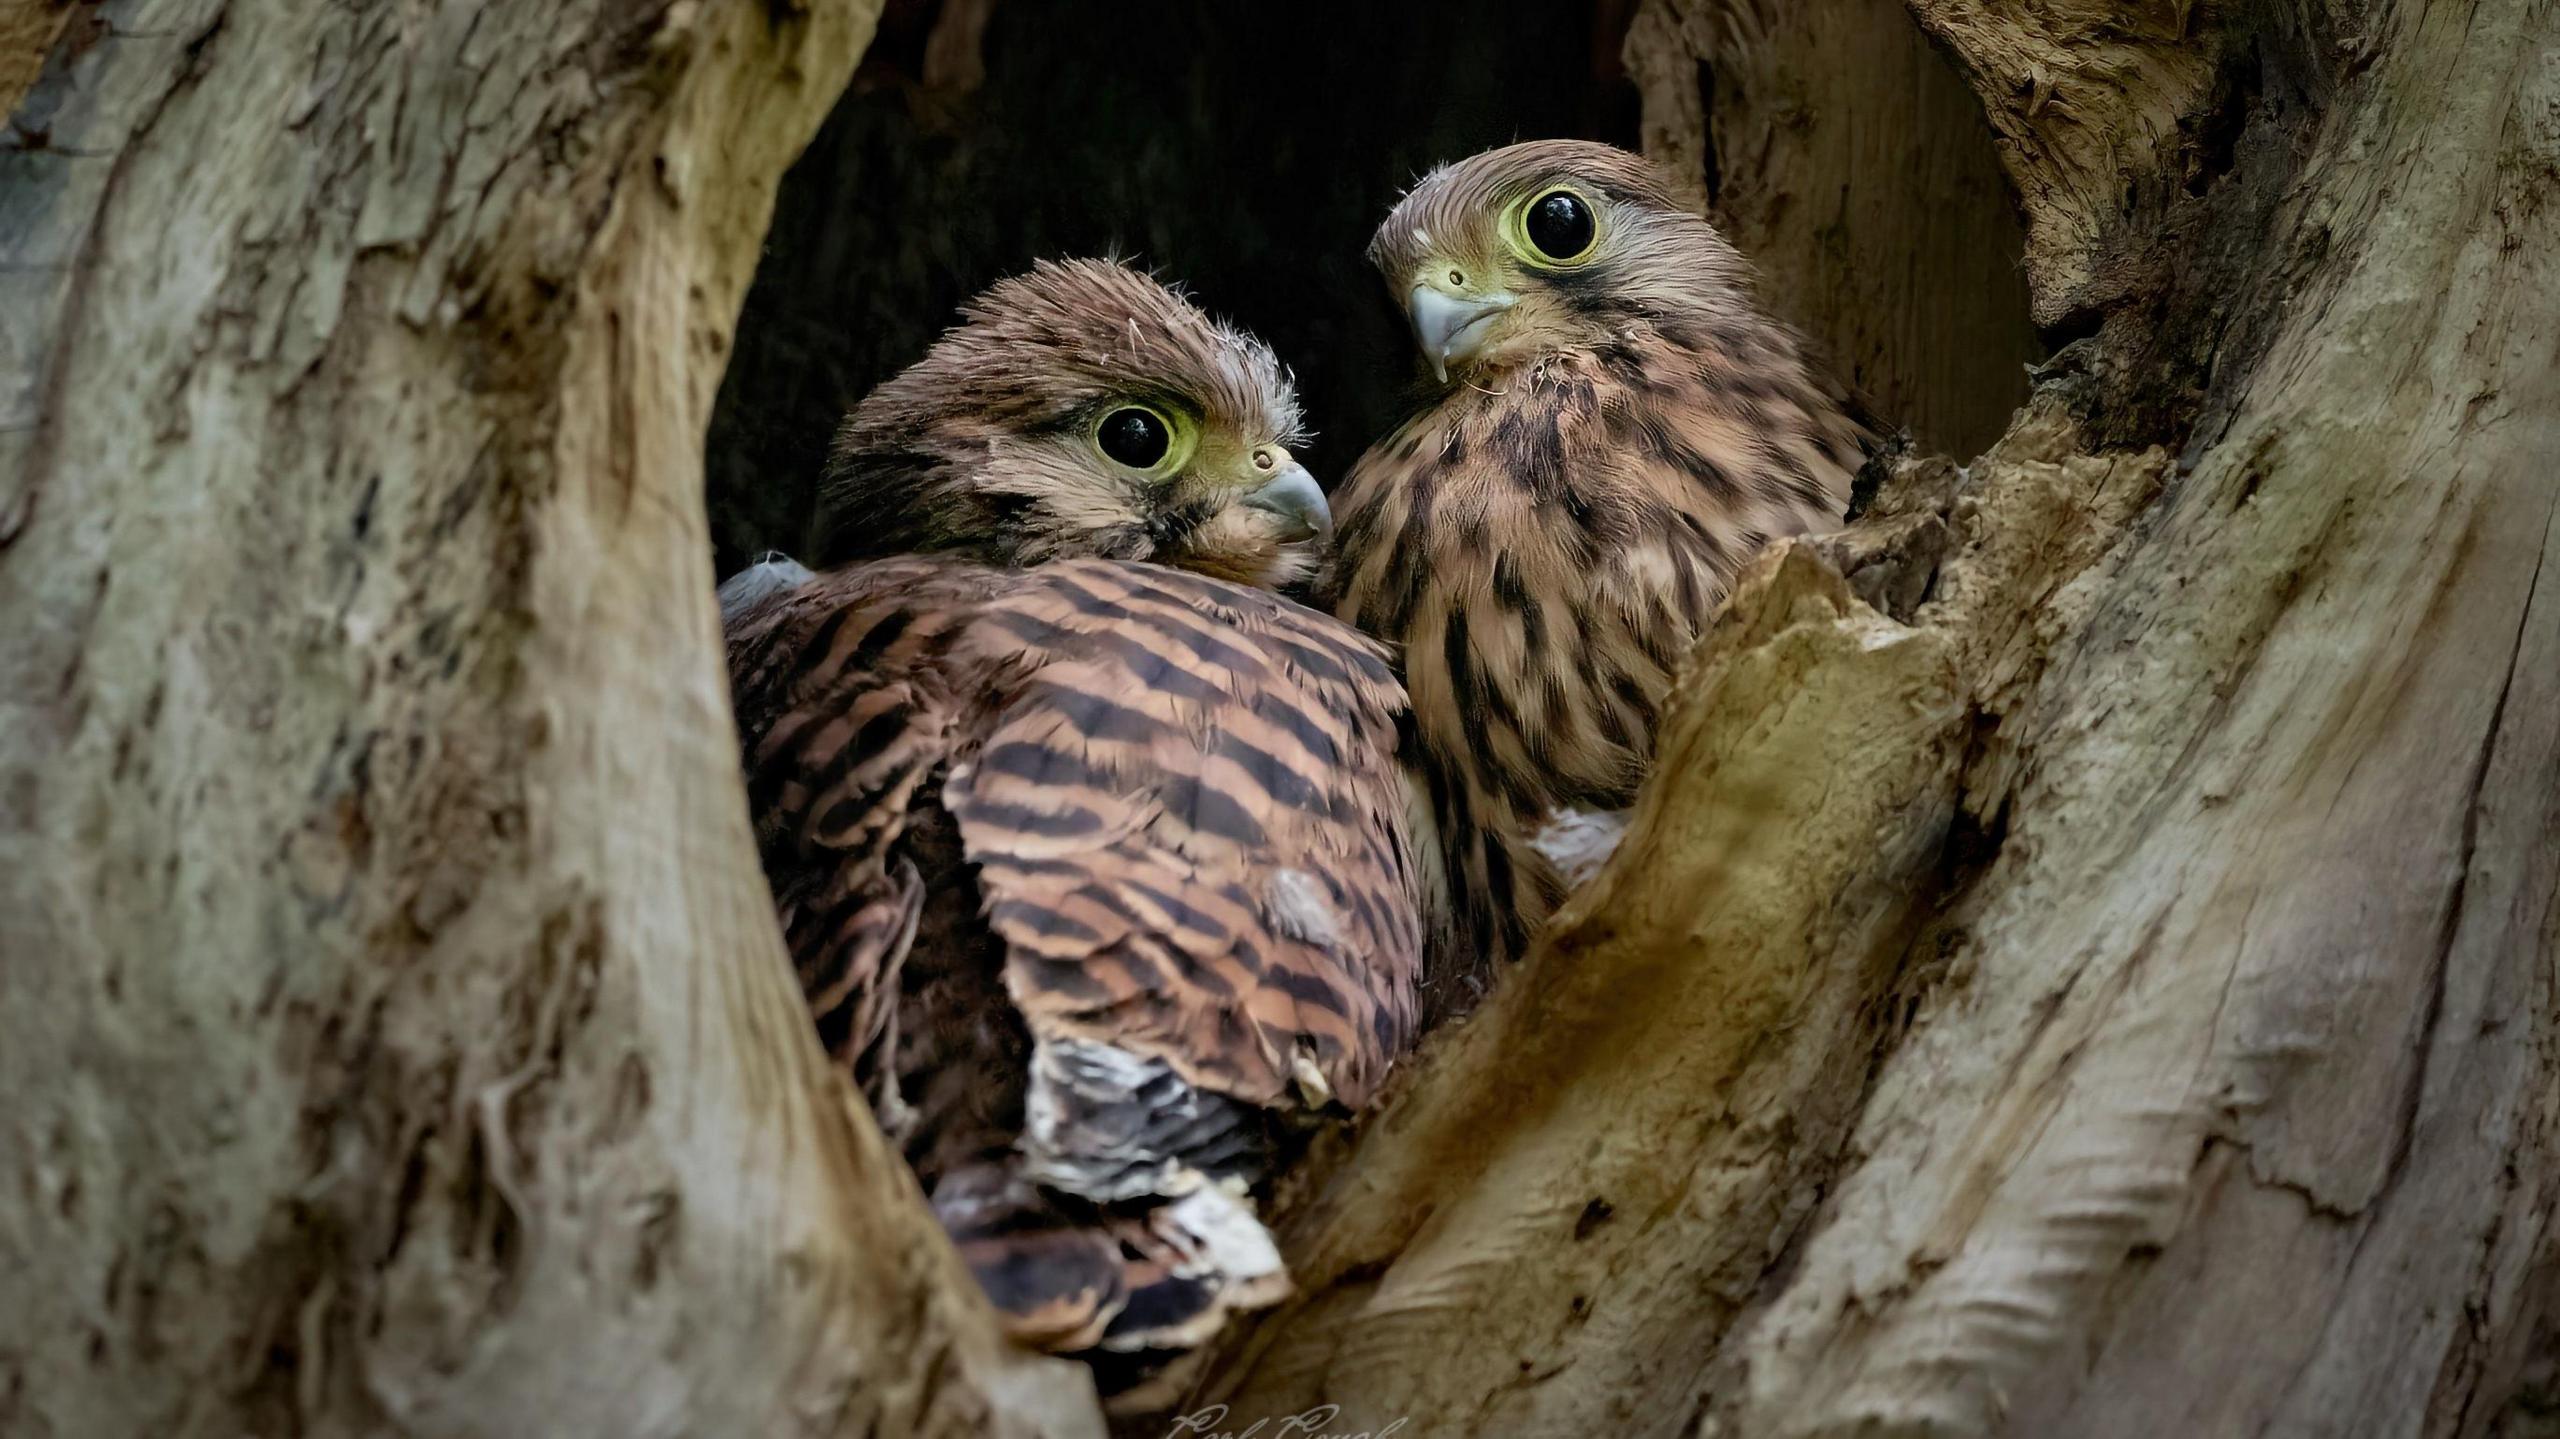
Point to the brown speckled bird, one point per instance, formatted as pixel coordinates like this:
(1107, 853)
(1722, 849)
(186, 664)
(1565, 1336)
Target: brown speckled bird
(1094, 872)
(1621, 426)
(1081, 409)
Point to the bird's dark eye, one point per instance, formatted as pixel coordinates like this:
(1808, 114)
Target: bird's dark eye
(1559, 225)
(1134, 437)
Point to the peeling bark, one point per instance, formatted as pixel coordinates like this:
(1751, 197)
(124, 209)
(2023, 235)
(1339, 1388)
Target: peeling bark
(395, 1028)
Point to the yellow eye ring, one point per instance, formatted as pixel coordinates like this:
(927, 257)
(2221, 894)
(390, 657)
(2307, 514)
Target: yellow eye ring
(1557, 228)
(1141, 438)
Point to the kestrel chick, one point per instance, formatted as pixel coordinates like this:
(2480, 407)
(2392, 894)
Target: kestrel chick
(1095, 872)
(1081, 409)
(1621, 426)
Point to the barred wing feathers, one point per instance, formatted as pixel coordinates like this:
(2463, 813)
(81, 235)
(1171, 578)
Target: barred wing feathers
(1152, 818)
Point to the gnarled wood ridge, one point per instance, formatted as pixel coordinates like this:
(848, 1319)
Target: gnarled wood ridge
(2086, 968)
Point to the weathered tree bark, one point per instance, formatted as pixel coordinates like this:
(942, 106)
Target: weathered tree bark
(1839, 150)
(2086, 967)
(394, 1028)
(2113, 994)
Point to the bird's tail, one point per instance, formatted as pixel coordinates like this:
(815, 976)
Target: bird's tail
(1131, 1289)
(745, 592)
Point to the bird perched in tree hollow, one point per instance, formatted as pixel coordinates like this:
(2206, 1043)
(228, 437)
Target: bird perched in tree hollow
(1094, 872)
(1620, 428)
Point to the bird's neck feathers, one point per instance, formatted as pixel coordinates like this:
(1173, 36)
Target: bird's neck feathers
(1691, 377)
(1707, 443)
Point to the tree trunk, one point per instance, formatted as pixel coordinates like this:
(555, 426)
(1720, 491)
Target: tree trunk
(395, 1030)
(2114, 994)
(2085, 966)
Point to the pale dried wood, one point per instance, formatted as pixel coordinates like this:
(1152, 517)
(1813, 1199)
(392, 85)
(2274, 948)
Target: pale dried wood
(2090, 100)
(394, 1023)
(1854, 166)
(363, 1080)
(2243, 1121)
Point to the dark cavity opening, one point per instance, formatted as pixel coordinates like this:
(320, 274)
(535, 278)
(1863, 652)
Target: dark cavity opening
(1246, 152)
(1242, 151)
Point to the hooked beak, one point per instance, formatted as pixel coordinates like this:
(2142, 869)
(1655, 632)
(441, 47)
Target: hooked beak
(1450, 328)
(1293, 495)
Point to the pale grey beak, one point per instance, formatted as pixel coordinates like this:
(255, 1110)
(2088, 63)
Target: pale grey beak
(1448, 327)
(1293, 495)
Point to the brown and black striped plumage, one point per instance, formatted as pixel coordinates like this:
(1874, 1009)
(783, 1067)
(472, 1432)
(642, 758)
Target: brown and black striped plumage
(1620, 431)
(1094, 871)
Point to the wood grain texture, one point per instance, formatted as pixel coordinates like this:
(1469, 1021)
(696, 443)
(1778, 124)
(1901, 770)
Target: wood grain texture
(397, 1041)
(395, 1028)
(2094, 103)
(2207, 1080)
(1839, 149)
(2252, 1079)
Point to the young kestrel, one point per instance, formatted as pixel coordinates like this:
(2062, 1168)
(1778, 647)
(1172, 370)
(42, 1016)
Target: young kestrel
(1094, 870)
(1619, 427)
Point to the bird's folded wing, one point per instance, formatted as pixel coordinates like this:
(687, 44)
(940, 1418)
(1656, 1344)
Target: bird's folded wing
(846, 719)
(1188, 827)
